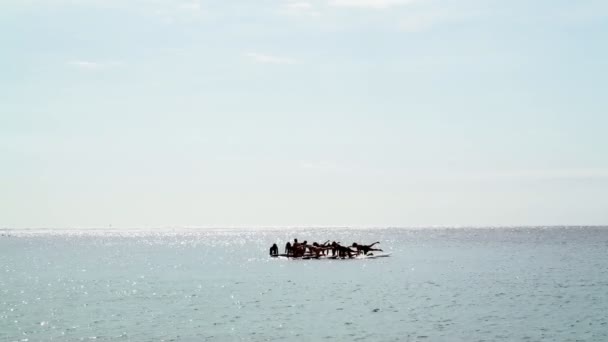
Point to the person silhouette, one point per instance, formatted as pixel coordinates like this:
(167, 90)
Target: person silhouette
(366, 248)
(274, 250)
(288, 248)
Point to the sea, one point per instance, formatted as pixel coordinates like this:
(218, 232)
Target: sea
(439, 284)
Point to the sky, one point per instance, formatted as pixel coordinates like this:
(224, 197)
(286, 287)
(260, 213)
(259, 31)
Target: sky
(171, 113)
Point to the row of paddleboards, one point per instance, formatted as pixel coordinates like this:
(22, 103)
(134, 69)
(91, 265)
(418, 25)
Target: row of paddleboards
(358, 257)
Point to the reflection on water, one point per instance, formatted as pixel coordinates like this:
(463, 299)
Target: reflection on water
(438, 285)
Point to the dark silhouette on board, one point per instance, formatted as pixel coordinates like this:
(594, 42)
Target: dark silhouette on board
(288, 248)
(320, 251)
(343, 251)
(366, 248)
(274, 250)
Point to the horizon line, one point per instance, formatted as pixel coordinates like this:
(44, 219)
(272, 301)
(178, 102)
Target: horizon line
(282, 227)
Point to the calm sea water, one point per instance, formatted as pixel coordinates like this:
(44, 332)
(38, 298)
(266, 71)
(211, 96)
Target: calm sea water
(516, 284)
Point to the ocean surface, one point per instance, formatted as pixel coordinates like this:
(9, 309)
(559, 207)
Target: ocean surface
(439, 284)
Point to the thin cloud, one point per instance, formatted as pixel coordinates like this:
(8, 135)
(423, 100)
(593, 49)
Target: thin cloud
(562, 174)
(84, 64)
(190, 6)
(373, 4)
(299, 8)
(557, 174)
(184, 12)
(268, 59)
(317, 165)
(93, 65)
(422, 21)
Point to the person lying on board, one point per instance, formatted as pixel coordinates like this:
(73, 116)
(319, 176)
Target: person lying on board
(343, 251)
(274, 250)
(366, 248)
(316, 250)
(324, 245)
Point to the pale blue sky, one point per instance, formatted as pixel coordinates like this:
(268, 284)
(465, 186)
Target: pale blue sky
(325, 112)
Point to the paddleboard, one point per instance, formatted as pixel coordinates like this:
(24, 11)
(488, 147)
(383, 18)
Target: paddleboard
(360, 257)
(375, 256)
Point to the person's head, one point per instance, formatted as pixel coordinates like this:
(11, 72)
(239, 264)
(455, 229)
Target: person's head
(295, 240)
(274, 245)
(355, 244)
(304, 242)
(315, 244)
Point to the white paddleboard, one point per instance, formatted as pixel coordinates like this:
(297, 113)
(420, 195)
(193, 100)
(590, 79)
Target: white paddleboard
(359, 257)
(375, 256)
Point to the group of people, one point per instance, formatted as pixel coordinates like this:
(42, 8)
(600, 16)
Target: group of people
(300, 249)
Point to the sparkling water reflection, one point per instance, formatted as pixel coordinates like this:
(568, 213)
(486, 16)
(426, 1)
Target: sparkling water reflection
(528, 284)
